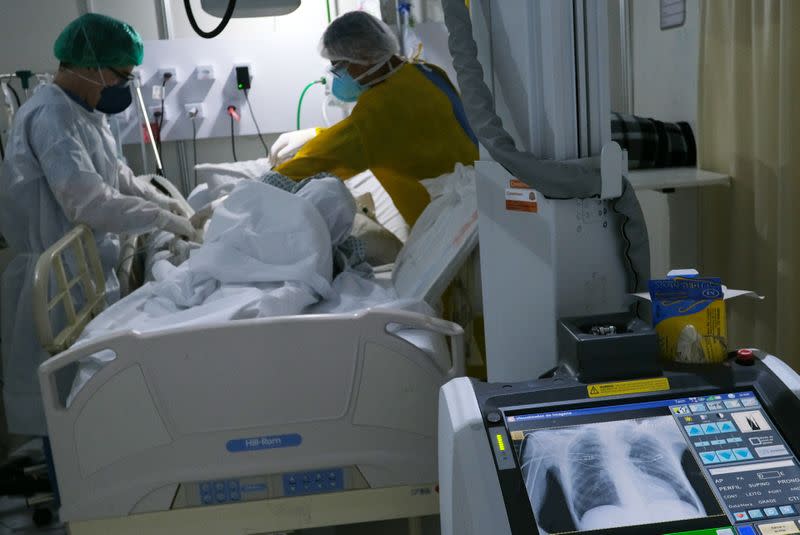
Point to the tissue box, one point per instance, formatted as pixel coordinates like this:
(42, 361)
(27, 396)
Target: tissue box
(690, 316)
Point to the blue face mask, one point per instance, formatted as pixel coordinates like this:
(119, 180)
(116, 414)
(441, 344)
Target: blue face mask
(346, 88)
(115, 98)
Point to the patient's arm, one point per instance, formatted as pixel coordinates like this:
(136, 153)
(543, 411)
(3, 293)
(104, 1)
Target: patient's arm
(201, 216)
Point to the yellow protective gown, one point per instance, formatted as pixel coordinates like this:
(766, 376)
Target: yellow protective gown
(408, 128)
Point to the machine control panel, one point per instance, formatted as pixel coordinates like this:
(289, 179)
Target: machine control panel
(690, 450)
(685, 462)
(751, 467)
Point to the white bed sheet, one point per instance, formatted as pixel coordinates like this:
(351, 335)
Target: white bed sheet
(267, 253)
(213, 179)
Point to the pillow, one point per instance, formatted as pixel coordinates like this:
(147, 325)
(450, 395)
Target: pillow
(365, 204)
(246, 169)
(381, 245)
(386, 212)
(223, 177)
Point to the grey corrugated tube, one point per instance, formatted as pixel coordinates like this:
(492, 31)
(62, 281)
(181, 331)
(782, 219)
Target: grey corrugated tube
(557, 180)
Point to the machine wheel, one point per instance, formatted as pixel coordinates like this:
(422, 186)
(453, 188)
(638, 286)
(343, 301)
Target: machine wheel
(42, 517)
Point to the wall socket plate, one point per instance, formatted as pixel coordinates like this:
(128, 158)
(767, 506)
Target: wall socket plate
(188, 107)
(205, 72)
(163, 70)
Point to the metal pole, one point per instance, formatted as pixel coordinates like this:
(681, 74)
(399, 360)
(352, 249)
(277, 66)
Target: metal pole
(167, 31)
(400, 28)
(626, 22)
(143, 109)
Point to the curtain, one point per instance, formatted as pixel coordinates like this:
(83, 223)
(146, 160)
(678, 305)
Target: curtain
(749, 127)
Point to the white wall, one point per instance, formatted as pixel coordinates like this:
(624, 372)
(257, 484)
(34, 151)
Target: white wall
(310, 14)
(27, 37)
(665, 63)
(26, 41)
(28, 29)
(665, 73)
(141, 14)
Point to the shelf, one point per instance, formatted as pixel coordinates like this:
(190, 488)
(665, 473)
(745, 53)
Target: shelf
(672, 178)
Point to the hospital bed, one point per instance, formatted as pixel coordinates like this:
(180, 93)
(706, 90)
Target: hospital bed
(263, 425)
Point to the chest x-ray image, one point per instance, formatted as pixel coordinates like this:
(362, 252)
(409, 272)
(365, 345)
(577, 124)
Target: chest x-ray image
(613, 474)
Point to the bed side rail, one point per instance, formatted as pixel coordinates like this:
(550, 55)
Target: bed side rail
(383, 318)
(127, 253)
(127, 344)
(88, 280)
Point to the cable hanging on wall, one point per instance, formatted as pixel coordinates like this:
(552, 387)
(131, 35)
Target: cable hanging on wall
(226, 18)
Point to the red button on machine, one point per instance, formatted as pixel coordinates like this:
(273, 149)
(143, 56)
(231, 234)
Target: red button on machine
(745, 357)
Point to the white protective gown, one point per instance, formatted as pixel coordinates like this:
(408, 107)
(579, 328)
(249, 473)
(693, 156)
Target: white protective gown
(61, 169)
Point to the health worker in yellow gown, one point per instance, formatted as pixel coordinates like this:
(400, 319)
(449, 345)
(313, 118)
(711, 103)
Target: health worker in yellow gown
(408, 123)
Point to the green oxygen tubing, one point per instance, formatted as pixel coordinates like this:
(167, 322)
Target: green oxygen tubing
(321, 81)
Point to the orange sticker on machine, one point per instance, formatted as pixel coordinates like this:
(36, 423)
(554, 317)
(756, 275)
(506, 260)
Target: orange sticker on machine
(520, 197)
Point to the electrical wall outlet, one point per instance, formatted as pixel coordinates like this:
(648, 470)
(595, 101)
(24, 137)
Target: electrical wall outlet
(248, 66)
(171, 70)
(195, 108)
(154, 111)
(205, 72)
(243, 73)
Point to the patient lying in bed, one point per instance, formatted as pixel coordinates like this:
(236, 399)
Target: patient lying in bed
(267, 252)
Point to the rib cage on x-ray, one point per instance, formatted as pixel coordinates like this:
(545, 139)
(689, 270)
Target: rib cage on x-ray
(610, 474)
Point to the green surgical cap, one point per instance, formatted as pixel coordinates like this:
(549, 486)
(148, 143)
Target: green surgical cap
(94, 40)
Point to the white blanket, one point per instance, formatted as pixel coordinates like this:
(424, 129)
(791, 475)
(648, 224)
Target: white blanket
(266, 253)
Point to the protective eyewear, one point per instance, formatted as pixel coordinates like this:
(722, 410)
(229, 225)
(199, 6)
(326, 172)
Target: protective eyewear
(127, 78)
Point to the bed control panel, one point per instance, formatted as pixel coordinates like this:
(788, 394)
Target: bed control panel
(231, 490)
(314, 482)
(272, 486)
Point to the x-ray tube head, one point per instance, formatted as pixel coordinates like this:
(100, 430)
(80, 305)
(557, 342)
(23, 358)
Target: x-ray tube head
(251, 8)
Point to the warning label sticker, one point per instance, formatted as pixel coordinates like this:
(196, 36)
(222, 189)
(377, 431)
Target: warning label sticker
(600, 390)
(520, 197)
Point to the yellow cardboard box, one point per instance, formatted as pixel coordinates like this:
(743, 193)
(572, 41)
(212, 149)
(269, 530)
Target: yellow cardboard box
(690, 317)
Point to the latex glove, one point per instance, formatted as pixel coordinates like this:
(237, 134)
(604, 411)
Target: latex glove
(140, 186)
(167, 203)
(689, 346)
(178, 225)
(288, 144)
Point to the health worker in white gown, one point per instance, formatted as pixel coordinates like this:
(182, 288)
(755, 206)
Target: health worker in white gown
(62, 169)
